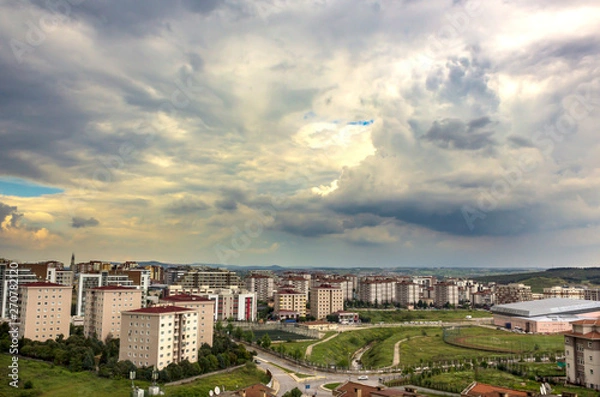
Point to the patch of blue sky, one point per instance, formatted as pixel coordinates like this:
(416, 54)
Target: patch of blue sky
(361, 122)
(10, 186)
(309, 115)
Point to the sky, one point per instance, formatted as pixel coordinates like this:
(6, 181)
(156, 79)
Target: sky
(301, 133)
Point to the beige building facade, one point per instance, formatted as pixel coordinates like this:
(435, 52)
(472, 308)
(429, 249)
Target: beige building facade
(325, 300)
(203, 306)
(290, 300)
(158, 336)
(103, 309)
(582, 353)
(44, 310)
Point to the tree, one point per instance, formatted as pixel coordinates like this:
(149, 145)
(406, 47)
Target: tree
(266, 341)
(295, 392)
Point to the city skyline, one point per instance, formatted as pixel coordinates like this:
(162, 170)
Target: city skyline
(324, 133)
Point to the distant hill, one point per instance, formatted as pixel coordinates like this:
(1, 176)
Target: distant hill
(542, 279)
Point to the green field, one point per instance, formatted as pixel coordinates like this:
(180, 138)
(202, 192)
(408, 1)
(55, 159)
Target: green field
(503, 341)
(55, 381)
(426, 344)
(302, 346)
(400, 316)
(337, 350)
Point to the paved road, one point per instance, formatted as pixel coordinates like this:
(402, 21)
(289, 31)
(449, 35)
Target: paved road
(287, 381)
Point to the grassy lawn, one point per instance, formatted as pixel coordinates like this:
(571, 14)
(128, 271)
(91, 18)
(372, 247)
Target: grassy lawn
(400, 316)
(56, 381)
(382, 354)
(331, 386)
(302, 346)
(485, 338)
(242, 377)
(337, 350)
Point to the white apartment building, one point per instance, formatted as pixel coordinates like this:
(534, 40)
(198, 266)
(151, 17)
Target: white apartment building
(377, 290)
(263, 286)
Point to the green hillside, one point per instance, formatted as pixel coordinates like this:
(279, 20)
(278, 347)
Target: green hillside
(539, 280)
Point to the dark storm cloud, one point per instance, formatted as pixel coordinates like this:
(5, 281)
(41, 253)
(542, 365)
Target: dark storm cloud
(79, 222)
(455, 134)
(307, 225)
(231, 197)
(446, 218)
(187, 206)
(548, 52)
(6, 211)
(135, 18)
(519, 141)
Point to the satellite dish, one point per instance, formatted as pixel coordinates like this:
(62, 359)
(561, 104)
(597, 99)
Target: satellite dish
(211, 393)
(217, 390)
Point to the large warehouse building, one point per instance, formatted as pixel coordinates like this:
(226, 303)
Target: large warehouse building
(544, 316)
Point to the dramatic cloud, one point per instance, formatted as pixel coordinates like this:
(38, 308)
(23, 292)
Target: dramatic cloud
(79, 222)
(302, 133)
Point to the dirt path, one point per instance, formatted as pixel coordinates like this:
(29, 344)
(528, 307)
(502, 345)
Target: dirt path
(396, 360)
(310, 347)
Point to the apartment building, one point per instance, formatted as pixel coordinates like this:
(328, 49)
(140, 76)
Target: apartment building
(325, 300)
(230, 303)
(205, 309)
(8, 275)
(158, 336)
(377, 290)
(591, 294)
(103, 309)
(301, 284)
(215, 278)
(407, 293)
(291, 301)
(50, 271)
(44, 310)
(445, 293)
(137, 278)
(582, 353)
(262, 285)
(564, 292)
(345, 284)
(512, 293)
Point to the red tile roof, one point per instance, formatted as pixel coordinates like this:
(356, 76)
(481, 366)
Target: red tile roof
(587, 321)
(186, 298)
(484, 390)
(590, 335)
(113, 287)
(160, 310)
(43, 284)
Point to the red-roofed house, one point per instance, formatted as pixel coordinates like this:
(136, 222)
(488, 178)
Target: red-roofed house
(355, 389)
(158, 336)
(582, 353)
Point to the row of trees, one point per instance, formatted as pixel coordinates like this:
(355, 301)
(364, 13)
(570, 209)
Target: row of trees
(79, 353)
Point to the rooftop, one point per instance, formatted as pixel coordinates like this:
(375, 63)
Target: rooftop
(186, 298)
(476, 389)
(159, 310)
(114, 287)
(546, 307)
(43, 284)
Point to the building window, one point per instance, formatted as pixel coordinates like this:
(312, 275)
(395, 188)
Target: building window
(589, 344)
